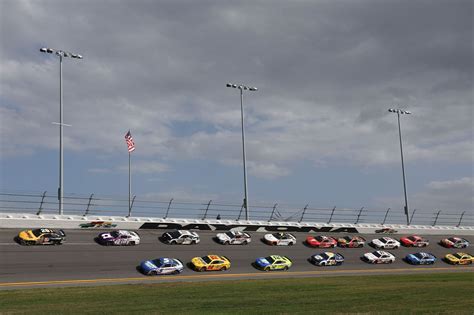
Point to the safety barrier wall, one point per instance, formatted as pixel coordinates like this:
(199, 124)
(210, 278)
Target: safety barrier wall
(19, 220)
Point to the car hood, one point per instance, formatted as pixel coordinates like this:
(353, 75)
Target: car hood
(370, 256)
(270, 237)
(223, 236)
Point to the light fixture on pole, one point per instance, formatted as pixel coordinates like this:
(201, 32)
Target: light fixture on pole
(242, 87)
(398, 112)
(61, 54)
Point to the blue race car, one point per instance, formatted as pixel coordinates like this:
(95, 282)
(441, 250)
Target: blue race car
(420, 258)
(161, 266)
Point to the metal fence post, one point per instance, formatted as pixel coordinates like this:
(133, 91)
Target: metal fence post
(332, 213)
(436, 219)
(304, 211)
(358, 216)
(241, 208)
(168, 210)
(41, 204)
(412, 215)
(273, 211)
(386, 214)
(88, 205)
(207, 209)
(460, 219)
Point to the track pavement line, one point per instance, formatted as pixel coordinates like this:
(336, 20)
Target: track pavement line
(216, 276)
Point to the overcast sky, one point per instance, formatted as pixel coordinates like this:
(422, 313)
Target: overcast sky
(317, 130)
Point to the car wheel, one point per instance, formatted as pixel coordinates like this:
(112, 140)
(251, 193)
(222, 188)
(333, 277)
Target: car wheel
(285, 268)
(291, 244)
(132, 243)
(245, 242)
(175, 272)
(333, 245)
(266, 269)
(202, 269)
(173, 242)
(193, 242)
(226, 243)
(223, 268)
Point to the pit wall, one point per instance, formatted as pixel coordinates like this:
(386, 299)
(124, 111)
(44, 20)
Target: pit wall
(24, 221)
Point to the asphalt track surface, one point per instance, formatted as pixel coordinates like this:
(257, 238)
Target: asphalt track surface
(81, 261)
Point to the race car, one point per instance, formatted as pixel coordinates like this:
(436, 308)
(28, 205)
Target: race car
(351, 241)
(118, 237)
(273, 262)
(386, 231)
(459, 259)
(379, 257)
(321, 241)
(327, 259)
(414, 241)
(420, 258)
(385, 243)
(455, 242)
(210, 263)
(161, 266)
(41, 237)
(180, 237)
(280, 239)
(234, 238)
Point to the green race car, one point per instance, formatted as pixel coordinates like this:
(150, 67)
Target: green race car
(273, 262)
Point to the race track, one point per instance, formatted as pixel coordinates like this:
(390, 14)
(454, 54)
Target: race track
(82, 261)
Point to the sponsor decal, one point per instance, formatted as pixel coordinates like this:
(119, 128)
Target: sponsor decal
(247, 228)
(97, 224)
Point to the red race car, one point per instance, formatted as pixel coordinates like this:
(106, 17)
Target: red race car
(351, 241)
(321, 241)
(414, 241)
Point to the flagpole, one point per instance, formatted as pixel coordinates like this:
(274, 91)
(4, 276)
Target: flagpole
(129, 184)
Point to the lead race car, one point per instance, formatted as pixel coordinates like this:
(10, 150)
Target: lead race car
(234, 238)
(414, 241)
(385, 243)
(161, 266)
(210, 263)
(41, 237)
(118, 238)
(454, 242)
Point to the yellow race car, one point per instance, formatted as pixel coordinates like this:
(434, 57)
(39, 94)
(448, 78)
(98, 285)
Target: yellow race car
(210, 262)
(459, 259)
(41, 237)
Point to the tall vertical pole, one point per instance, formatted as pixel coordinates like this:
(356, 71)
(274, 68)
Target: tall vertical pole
(129, 184)
(403, 169)
(246, 201)
(61, 155)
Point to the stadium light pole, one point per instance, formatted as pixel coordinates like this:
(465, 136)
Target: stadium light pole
(61, 54)
(398, 112)
(242, 87)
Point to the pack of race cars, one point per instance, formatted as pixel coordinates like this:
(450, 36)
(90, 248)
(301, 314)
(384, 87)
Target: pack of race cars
(165, 265)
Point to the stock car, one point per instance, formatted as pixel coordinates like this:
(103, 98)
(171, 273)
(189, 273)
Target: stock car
(414, 241)
(327, 259)
(420, 258)
(119, 237)
(233, 237)
(321, 241)
(459, 259)
(41, 237)
(273, 262)
(385, 243)
(379, 257)
(280, 239)
(210, 263)
(180, 237)
(161, 266)
(351, 241)
(455, 242)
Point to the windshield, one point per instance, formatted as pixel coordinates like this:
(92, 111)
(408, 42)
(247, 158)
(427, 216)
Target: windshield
(457, 255)
(114, 234)
(270, 259)
(230, 234)
(206, 259)
(348, 238)
(36, 232)
(377, 254)
(278, 235)
(175, 234)
(412, 238)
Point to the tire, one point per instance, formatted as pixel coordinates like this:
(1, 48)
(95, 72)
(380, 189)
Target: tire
(173, 243)
(245, 243)
(202, 269)
(285, 268)
(193, 242)
(175, 272)
(226, 243)
(291, 244)
(334, 246)
(266, 269)
(223, 268)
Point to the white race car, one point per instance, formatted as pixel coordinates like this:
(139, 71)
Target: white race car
(118, 238)
(180, 237)
(385, 243)
(235, 238)
(280, 239)
(379, 257)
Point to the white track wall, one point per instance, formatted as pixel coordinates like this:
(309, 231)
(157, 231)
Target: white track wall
(23, 221)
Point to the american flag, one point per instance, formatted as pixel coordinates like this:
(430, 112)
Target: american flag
(130, 143)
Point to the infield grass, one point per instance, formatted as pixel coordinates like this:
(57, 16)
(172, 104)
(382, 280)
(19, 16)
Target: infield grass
(398, 294)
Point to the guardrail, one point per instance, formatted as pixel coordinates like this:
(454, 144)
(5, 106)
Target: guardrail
(95, 205)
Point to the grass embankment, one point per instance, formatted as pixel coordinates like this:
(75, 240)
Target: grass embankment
(427, 293)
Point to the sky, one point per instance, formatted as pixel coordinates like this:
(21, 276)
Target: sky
(317, 130)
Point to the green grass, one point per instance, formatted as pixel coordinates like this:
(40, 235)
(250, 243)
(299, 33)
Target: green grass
(399, 294)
